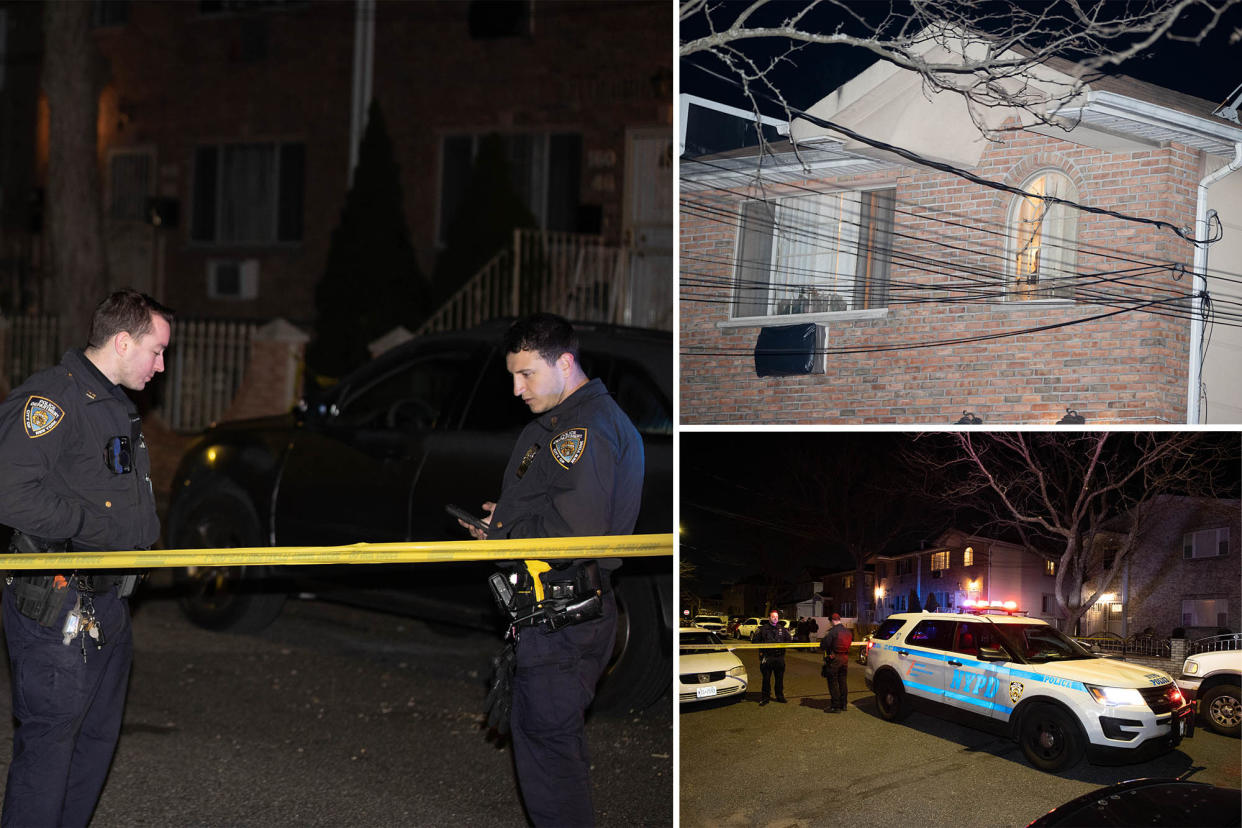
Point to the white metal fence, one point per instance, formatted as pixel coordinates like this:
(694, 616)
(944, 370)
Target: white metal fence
(203, 367)
(577, 276)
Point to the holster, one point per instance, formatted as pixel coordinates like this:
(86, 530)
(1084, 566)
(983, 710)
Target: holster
(499, 703)
(571, 596)
(39, 596)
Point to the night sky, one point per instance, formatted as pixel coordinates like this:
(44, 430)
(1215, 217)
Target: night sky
(744, 513)
(1208, 71)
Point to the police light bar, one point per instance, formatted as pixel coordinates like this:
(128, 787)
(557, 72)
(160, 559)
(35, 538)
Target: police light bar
(976, 607)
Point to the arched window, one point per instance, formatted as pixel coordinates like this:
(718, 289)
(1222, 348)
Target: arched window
(1043, 239)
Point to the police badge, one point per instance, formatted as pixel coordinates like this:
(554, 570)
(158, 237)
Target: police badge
(1015, 691)
(40, 416)
(568, 446)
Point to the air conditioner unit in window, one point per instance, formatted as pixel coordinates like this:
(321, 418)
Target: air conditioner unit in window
(791, 350)
(233, 278)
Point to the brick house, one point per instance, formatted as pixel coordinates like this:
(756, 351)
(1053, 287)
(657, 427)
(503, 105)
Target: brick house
(922, 295)
(244, 118)
(961, 566)
(1186, 572)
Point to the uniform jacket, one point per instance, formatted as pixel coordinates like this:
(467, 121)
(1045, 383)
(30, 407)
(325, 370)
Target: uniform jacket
(768, 633)
(576, 471)
(55, 479)
(837, 641)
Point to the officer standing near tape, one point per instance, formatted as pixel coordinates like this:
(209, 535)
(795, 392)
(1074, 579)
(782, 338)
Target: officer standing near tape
(836, 646)
(576, 471)
(75, 476)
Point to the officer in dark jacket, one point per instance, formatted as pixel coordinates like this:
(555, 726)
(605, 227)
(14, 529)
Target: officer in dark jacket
(772, 662)
(74, 475)
(577, 470)
(836, 646)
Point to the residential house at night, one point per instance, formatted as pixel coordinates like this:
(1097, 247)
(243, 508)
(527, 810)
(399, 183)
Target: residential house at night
(962, 566)
(919, 295)
(242, 120)
(1186, 572)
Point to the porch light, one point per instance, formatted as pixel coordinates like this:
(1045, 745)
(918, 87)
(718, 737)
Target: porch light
(1072, 417)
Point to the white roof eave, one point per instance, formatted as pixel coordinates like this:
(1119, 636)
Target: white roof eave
(1128, 116)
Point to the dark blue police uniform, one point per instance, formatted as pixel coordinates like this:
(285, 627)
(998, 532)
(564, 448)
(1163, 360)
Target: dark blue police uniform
(576, 471)
(73, 466)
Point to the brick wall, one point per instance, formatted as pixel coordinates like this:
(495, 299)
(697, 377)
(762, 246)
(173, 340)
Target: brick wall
(1126, 368)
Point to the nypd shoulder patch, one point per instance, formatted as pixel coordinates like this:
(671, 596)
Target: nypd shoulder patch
(40, 416)
(567, 447)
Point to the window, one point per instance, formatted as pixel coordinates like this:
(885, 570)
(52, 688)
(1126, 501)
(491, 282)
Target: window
(1205, 612)
(1050, 567)
(939, 562)
(420, 394)
(249, 193)
(847, 582)
(905, 566)
(968, 557)
(814, 254)
(1043, 236)
(1207, 543)
(545, 170)
(937, 634)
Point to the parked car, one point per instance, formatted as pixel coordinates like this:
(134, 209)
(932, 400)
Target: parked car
(715, 623)
(1022, 678)
(378, 457)
(747, 628)
(1148, 802)
(1214, 679)
(706, 668)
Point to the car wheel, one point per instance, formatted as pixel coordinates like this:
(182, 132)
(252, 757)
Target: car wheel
(1049, 738)
(1220, 709)
(227, 598)
(642, 662)
(891, 699)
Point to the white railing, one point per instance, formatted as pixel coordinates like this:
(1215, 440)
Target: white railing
(577, 276)
(1228, 641)
(31, 343)
(203, 368)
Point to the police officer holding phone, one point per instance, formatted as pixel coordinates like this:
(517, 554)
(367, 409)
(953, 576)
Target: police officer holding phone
(75, 476)
(577, 470)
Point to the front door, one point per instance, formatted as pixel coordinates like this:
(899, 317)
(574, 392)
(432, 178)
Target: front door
(649, 227)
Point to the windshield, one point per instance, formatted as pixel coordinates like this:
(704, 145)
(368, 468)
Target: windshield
(700, 638)
(707, 619)
(1040, 643)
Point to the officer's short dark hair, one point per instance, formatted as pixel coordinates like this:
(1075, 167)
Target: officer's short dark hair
(125, 310)
(547, 334)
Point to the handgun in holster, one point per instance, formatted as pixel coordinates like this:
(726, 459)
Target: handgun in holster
(39, 596)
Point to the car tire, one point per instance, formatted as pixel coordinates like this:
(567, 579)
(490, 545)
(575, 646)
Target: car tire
(226, 598)
(890, 698)
(639, 672)
(1220, 709)
(1050, 738)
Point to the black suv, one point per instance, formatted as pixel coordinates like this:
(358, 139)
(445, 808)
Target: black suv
(377, 458)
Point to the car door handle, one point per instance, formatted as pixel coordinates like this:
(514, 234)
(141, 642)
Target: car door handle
(955, 663)
(903, 652)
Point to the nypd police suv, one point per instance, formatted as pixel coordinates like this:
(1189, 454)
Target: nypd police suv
(1024, 679)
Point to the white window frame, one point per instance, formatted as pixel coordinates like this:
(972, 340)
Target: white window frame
(1215, 541)
(821, 279)
(1042, 241)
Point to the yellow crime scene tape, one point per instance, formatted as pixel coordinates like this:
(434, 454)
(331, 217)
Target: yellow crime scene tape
(755, 646)
(607, 546)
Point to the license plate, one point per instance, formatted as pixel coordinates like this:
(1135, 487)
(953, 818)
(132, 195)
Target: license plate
(704, 692)
(1186, 723)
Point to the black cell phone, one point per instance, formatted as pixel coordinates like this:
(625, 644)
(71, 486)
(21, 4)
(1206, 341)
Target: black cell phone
(462, 514)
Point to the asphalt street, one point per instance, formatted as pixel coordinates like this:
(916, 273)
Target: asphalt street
(795, 764)
(337, 716)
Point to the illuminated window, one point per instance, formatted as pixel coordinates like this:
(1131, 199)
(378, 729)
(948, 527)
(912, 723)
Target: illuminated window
(939, 561)
(968, 557)
(848, 582)
(1050, 567)
(1043, 238)
(1209, 543)
(815, 253)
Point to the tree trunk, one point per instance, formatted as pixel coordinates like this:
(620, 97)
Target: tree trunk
(73, 219)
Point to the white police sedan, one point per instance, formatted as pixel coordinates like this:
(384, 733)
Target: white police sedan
(706, 668)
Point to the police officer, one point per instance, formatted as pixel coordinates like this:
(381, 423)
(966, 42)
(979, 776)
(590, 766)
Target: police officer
(772, 662)
(74, 475)
(836, 646)
(577, 470)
